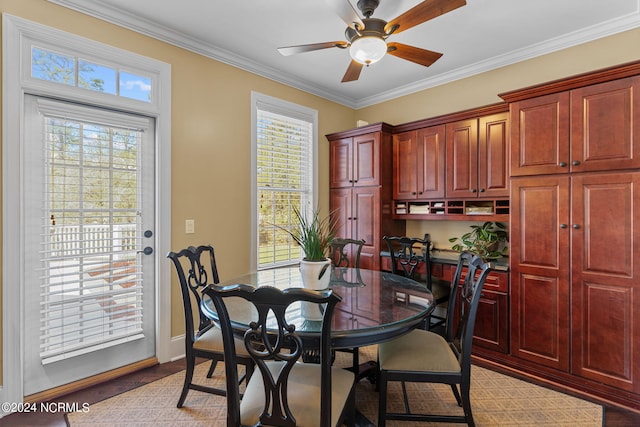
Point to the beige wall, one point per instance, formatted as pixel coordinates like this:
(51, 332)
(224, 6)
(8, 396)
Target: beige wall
(211, 124)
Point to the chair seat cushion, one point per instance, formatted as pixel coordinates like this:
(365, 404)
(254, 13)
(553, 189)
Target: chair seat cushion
(211, 340)
(419, 351)
(303, 393)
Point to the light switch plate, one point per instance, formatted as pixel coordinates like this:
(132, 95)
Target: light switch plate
(190, 226)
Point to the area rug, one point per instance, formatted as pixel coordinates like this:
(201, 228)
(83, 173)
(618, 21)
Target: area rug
(496, 399)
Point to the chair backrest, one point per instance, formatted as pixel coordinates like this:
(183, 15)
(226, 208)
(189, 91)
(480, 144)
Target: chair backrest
(196, 268)
(339, 257)
(461, 313)
(409, 253)
(271, 337)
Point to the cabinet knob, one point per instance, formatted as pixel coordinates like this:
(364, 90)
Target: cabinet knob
(473, 190)
(482, 190)
(562, 164)
(575, 162)
(413, 193)
(563, 225)
(576, 226)
(354, 218)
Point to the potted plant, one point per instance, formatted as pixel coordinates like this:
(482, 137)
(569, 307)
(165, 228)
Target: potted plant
(484, 240)
(314, 234)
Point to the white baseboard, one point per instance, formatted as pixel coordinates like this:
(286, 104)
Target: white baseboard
(176, 348)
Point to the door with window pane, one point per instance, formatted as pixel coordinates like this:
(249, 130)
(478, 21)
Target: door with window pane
(89, 233)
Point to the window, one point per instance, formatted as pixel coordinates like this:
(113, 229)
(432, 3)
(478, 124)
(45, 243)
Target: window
(74, 71)
(284, 158)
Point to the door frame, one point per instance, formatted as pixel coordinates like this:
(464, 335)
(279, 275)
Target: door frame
(17, 32)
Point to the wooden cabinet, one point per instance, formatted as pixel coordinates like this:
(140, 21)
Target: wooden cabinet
(574, 238)
(419, 164)
(477, 157)
(355, 161)
(585, 129)
(360, 192)
(491, 330)
(605, 278)
(579, 273)
(359, 218)
(453, 167)
(539, 253)
(492, 320)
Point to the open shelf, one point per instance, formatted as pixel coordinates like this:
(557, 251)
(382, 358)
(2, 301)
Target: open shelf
(468, 210)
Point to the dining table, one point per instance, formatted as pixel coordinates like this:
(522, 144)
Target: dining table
(376, 306)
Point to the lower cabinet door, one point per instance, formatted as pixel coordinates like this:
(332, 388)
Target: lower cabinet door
(492, 322)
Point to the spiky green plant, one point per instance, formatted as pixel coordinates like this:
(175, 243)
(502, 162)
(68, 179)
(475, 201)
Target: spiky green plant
(313, 234)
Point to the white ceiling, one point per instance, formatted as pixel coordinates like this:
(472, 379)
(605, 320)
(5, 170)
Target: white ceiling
(483, 35)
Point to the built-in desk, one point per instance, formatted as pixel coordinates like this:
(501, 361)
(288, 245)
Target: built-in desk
(492, 322)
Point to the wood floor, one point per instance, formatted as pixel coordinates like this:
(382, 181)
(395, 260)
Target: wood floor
(614, 417)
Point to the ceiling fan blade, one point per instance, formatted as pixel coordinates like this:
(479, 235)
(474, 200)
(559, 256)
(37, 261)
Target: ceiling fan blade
(353, 72)
(413, 54)
(345, 10)
(292, 50)
(422, 12)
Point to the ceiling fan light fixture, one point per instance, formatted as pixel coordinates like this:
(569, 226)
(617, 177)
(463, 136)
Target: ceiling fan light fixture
(368, 49)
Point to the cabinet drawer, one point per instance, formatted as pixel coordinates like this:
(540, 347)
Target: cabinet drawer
(497, 281)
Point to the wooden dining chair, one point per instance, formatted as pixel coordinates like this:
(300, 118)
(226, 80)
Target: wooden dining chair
(424, 356)
(341, 248)
(339, 255)
(408, 255)
(196, 268)
(282, 391)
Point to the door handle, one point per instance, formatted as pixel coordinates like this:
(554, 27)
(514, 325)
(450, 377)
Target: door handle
(147, 251)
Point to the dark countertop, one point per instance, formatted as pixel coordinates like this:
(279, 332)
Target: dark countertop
(451, 257)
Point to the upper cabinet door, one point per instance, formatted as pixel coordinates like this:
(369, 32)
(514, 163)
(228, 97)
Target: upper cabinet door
(493, 166)
(366, 161)
(431, 162)
(341, 163)
(462, 158)
(540, 135)
(419, 164)
(405, 166)
(604, 125)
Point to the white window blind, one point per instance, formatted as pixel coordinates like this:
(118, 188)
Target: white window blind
(91, 281)
(284, 179)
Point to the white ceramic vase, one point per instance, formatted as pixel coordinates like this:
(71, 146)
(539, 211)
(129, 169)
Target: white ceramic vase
(315, 274)
(311, 311)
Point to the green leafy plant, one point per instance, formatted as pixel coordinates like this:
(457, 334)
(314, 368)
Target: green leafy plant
(483, 240)
(313, 234)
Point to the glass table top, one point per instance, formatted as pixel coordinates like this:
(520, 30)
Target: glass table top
(376, 305)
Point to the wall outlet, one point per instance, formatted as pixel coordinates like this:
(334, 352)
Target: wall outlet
(190, 226)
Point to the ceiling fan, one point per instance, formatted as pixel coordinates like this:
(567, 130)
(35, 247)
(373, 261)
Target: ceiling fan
(366, 37)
